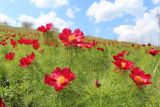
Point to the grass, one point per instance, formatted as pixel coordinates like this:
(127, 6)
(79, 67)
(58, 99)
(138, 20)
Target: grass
(24, 87)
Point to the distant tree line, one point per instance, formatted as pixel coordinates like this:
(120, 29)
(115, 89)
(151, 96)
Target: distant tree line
(4, 23)
(29, 25)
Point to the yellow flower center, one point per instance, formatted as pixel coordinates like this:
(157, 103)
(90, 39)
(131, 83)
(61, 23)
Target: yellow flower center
(61, 79)
(71, 37)
(138, 79)
(123, 64)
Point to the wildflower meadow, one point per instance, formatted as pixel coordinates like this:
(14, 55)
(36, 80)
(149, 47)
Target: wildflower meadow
(46, 68)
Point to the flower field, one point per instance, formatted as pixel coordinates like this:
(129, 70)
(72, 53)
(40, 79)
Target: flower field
(45, 68)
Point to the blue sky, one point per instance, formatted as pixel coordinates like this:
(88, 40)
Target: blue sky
(101, 18)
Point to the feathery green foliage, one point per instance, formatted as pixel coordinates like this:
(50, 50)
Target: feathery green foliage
(24, 87)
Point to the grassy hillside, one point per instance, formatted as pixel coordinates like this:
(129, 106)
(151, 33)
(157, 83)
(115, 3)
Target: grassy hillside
(25, 87)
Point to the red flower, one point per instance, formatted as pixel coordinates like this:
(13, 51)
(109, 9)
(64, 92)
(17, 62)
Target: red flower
(9, 56)
(59, 78)
(153, 51)
(120, 55)
(82, 44)
(2, 104)
(69, 38)
(35, 44)
(123, 64)
(100, 49)
(51, 43)
(75, 38)
(13, 42)
(25, 61)
(4, 43)
(123, 53)
(45, 29)
(139, 77)
(89, 44)
(116, 57)
(25, 41)
(13, 35)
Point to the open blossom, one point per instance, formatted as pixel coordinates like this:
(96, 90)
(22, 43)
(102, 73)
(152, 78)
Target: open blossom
(123, 64)
(45, 28)
(36, 46)
(139, 77)
(116, 57)
(69, 38)
(25, 61)
(25, 41)
(34, 42)
(123, 53)
(59, 79)
(153, 51)
(10, 56)
(120, 55)
(75, 38)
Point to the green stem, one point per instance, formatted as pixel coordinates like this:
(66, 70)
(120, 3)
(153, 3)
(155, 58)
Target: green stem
(155, 70)
(131, 93)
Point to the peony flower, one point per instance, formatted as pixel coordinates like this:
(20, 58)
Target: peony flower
(59, 79)
(69, 38)
(10, 56)
(45, 28)
(25, 61)
(123, 64)
(139, 77)
(153, 51)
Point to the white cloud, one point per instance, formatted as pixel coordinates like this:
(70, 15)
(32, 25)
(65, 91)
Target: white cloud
(145, 30)
(51, 17)
(156, 1)
(5, 18)
(71, 12)
(24, 18)
(106, 10)
(49, 3)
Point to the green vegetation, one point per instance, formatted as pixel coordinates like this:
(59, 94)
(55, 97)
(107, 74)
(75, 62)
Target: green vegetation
(24, 87)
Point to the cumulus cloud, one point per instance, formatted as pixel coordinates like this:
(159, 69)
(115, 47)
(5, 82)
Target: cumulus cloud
(156, 1)
(145, 30)
(51, 17)
(49, 3)
(7, 19)
(105, 10)
(71, 11)
(24, 18)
